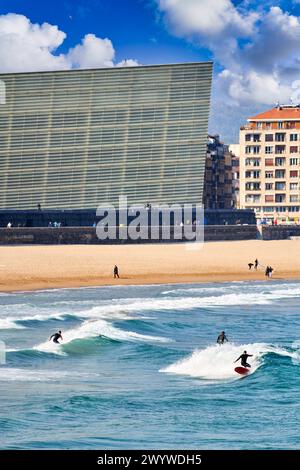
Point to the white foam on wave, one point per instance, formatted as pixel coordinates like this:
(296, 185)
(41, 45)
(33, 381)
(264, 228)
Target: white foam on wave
(93, 329)
(9, 324)
(217, 362)
(120, 309)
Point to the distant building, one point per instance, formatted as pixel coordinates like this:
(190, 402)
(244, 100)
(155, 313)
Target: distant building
(270, 165)
(218, 175)
(234, 149)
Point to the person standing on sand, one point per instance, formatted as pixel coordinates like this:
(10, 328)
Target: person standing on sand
(250, 266)
(270, 271)
(256, 264)
(116, 272)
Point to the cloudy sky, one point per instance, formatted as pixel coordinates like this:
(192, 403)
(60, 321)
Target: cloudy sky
(255, 45)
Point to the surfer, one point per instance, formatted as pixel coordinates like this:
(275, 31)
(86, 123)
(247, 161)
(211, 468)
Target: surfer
(222, 338)
(244, 358)
(56, 337)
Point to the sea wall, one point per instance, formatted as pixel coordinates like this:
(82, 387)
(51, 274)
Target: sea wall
(88, 236)
(280, 232)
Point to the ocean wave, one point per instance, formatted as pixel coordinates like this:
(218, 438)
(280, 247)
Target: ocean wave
(9, 324)
(29, 375)
(92, 329)
(217, 362)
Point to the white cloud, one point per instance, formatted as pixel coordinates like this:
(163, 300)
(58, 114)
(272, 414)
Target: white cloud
(93, 52)
(28, 47)
(211, 19)
(255, 44)
(127, 63)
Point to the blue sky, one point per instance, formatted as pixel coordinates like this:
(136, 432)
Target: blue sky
(254, 45)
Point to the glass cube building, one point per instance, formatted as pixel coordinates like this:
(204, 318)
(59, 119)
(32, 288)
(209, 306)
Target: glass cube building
(76, 139)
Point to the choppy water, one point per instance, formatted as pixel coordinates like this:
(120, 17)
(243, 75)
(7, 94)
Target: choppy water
(139, 367)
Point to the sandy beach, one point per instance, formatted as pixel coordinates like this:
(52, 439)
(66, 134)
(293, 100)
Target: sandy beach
(43, 267)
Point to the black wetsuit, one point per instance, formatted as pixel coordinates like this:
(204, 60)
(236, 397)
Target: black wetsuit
(56, 337)
(221, 339)
(244, 358)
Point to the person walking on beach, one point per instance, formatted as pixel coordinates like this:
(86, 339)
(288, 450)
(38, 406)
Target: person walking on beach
(116, 272)
(256, 264)
(250, 266)
(243, 357)
(56, 337)
(270, 271)
(222, 338)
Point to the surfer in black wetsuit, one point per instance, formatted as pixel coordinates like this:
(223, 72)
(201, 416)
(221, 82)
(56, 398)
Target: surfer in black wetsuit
(222, 338)
(56, 337)
(244, 358)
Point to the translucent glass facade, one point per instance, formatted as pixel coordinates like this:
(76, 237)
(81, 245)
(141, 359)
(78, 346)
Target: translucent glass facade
(75, 139)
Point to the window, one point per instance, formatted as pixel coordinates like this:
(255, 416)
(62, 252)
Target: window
(279, 185)
(269, 162)
(256, 137)
(294, 161)
(280, 125)
(279, 161)
(280, 174)
(280, 149)
(252, 186)
(280, 137)
(280, 198)
(269, 198)
(269, 149)
(269, 138)
(259, 125)
(269, 186)
(293, 186)
(294, 198)
(252, 198)
(252, 174)
(248, 137)
(294, 149)
(293, 137)
(255, 149)
(268, 125)
(294, 174)
(269, 174)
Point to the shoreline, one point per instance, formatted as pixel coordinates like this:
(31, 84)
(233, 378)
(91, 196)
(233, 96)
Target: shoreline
(70, 286)
(34, 268)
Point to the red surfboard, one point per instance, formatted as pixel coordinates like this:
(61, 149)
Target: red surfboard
(241, 370)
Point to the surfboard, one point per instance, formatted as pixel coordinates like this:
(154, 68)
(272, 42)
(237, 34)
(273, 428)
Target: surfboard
(241, 370)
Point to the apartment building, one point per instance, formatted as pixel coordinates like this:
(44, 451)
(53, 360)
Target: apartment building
(218, 175)
(270, 165)
(234, 150)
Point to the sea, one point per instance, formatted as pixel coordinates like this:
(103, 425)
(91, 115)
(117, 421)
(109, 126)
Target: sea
(139, 367)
